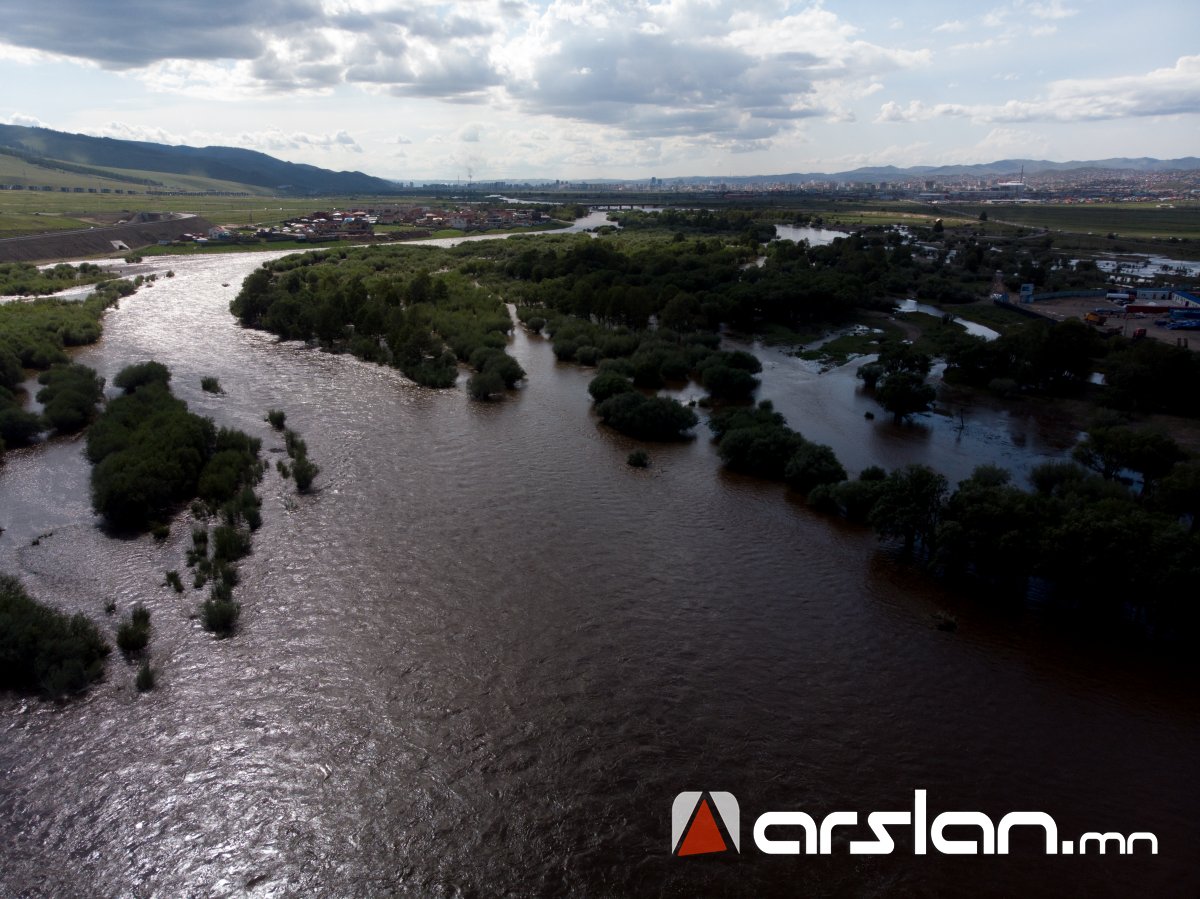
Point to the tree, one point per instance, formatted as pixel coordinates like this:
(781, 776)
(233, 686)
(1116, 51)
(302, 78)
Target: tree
(648, 418)
(904, 393)
(1109, 450)
(909, 506)
(812, 465)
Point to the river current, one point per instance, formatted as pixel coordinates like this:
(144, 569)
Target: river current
(484, 655)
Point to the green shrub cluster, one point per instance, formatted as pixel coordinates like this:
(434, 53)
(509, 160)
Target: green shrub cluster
(150, 453)
(302, 470)
(131, 377)
(647, 418)
(34, 335)
(495, 372)
(23, 279)
(381, 304)
(43, 650)
(69, 396)
(133, 635)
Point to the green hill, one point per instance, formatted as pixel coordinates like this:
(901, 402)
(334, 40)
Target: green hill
(130, 164)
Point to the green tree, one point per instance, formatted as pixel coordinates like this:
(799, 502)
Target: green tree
(904, 393)
(909, 507)
(811, 465)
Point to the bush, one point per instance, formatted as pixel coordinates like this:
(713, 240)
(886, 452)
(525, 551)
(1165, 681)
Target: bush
(304, 472)
(229, 544)
(145, 677)
(219, 616)
(69, 396)
(150, 454)
(173, 580)
(638, 459)
(608, 384)
(133, 635)
(18, 427)
(647, 418)
(43, 650)
(276, 417)
(132, 377)
(484, 385)
(210, 385)
(813, 465)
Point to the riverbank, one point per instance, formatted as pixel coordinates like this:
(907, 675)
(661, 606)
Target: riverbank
(54, 248)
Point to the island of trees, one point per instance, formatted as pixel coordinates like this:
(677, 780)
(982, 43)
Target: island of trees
(1111, 531)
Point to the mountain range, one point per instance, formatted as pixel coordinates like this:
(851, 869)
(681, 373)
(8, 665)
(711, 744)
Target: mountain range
(138, 161)
(45, 148)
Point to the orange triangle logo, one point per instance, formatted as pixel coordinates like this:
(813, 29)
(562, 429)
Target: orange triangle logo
(704, 835)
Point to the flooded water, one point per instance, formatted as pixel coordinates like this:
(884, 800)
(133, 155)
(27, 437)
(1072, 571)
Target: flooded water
(973, 328)
(483, 657)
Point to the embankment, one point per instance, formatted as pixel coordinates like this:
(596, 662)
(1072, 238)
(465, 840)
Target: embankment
(145, 230)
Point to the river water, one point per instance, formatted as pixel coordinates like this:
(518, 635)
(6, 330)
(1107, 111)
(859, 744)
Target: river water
(483, 657)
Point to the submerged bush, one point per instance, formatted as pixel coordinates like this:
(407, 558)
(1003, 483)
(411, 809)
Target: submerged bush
(132, 377)
(133, 635)
(647, 418)
(219, 615)
(145, 677)
(41, 649)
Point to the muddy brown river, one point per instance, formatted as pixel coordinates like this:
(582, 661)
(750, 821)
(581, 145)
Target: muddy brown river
(484, 655)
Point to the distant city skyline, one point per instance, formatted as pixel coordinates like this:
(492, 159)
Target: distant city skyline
(511, 90)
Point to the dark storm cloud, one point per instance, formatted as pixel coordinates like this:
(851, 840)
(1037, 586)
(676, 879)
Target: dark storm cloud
(129, 34)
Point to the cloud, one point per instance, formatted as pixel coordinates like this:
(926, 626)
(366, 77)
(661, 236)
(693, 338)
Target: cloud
(129, 34)
(274, 140)
(1161, 92)
(27, 121)
(951, 27)
(706, 69)
(1052, 9)
(271, 140)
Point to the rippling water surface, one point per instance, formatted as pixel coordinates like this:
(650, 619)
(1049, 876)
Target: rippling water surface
(484, 656)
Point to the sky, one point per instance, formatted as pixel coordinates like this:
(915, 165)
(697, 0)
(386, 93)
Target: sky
(492, 90)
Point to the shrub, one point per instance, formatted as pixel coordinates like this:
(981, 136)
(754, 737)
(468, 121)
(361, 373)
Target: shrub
(638, 459)
(173, 580)
(145, 677)
(132, 377)
(134, 634)
(69, 396)
(43, 650)
(647, 418)
(813, 465)
(276, 417)
(608, 384)
(229, 544)
(210, 385)
(18, 427)
(219, 616)
(484, 385)
(304, 472)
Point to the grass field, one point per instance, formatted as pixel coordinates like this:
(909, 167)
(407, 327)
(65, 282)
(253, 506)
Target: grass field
(1137, 220)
